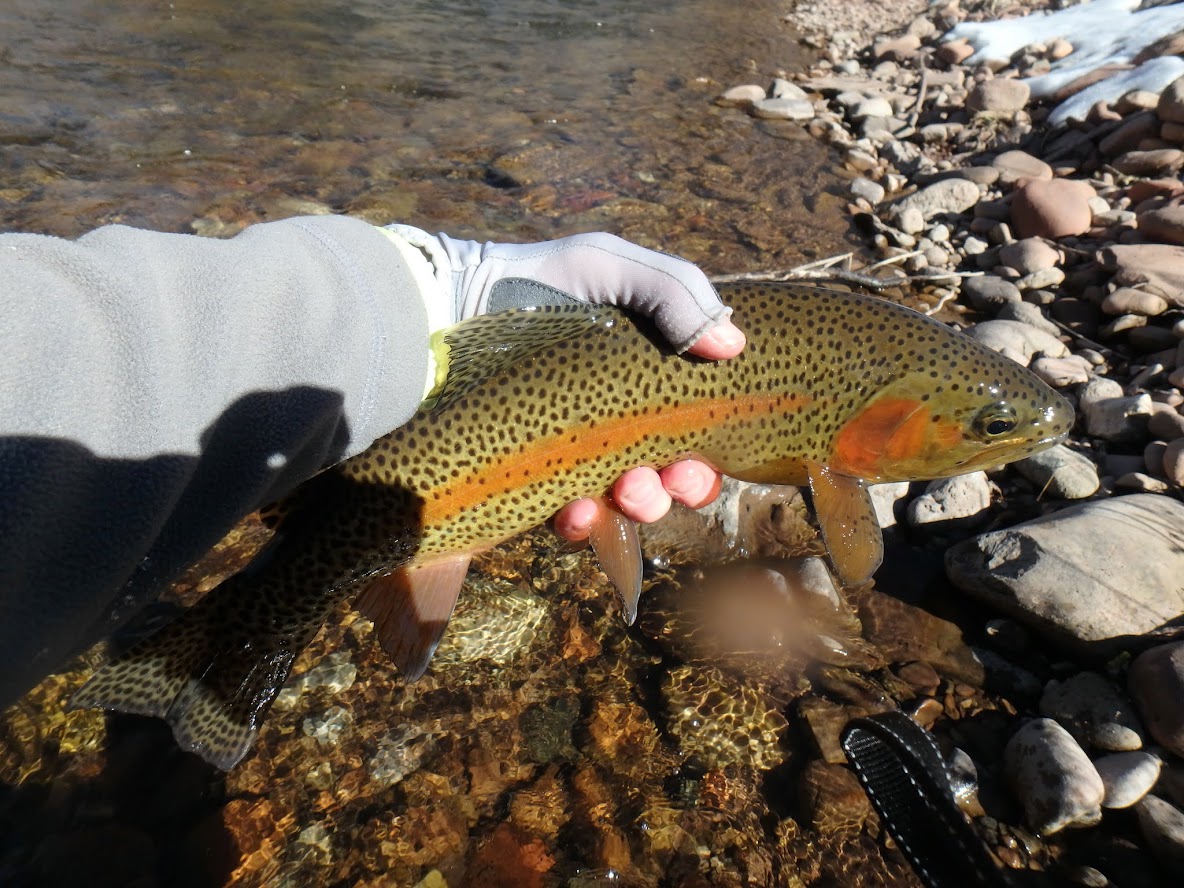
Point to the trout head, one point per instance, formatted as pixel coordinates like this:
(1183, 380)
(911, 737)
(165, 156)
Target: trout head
(936, 422)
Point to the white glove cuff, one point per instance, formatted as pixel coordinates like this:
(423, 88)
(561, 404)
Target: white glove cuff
(425, 259)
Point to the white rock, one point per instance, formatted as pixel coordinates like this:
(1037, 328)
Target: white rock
(1127, 776)
(873, 106)
(872, 192)
(741, 96)
(949, 499)
(783, 109)
(1052, 777)
(884, 499)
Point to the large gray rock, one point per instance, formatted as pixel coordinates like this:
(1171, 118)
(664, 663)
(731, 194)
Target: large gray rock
(1090, 575)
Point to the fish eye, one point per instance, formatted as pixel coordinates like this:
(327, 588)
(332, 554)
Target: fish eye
(994, 421)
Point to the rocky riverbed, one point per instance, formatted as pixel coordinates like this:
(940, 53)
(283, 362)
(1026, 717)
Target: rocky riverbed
(1028, 616)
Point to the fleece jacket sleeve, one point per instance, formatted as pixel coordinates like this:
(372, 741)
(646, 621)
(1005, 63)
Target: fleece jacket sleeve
(155, 388)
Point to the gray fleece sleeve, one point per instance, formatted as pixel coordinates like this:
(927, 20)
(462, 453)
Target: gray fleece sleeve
(155, 388)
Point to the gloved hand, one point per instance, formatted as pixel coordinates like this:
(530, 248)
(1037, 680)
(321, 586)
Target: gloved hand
(602, 269)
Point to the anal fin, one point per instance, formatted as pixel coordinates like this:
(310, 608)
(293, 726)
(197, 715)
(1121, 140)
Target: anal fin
(617, 546)
(848, 521)
(411, 608)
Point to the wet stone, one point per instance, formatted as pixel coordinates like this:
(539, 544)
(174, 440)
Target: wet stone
(721, 723)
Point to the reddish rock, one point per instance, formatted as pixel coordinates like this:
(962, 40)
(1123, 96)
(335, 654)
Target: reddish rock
(1051, 208)
(1004, 95)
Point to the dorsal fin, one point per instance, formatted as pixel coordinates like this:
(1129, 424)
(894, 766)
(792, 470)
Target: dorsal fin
(411, 608)
(848, 521)
(617, 546)
(482, 347)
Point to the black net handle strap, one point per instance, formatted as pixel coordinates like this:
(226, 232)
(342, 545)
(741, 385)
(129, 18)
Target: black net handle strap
(904, 775)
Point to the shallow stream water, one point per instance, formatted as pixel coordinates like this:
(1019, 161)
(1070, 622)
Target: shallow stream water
(515, 120)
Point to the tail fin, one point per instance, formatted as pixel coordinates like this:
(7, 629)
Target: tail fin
(213, 688)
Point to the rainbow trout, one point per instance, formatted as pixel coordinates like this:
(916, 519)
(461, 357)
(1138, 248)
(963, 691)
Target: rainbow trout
(835, 390)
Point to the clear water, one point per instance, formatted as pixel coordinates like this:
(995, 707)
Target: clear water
(512, 120)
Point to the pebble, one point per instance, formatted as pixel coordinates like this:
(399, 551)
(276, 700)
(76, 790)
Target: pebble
(1051, 208)
(1016, 165)
(1029, 255)
(1052, 777)
(953, 52)
(1141, 482)
(741, 96)
(1000, 96)
(1156, 680)
(946, 196)
(1127, 137)
(1094, 711)
(1155, 162)
(950, 499)
(1027, 313)
(1160, 267)
(783, 109)
(1091, 575)
(1060, 472)
(1128, 300)
(1127, 776)
(1162, 825)
(989, 292)
(781, 88)
(872, 192)
(1173, 461)
(1017, 340)
(1041, 280)
(1165, 423)
(896, 49)
(1110, 414)
(1163, 224)
(873, 106)
(1170, 107)
(1061, 372)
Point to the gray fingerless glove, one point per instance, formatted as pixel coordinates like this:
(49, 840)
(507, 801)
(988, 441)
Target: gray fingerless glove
(598, 268)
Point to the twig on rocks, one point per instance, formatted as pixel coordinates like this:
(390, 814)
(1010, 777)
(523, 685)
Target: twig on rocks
(922, 88)
(824, 270)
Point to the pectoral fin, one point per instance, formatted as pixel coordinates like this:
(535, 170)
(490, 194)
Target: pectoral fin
(616, 544)
(411, 608)
(848, 520)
